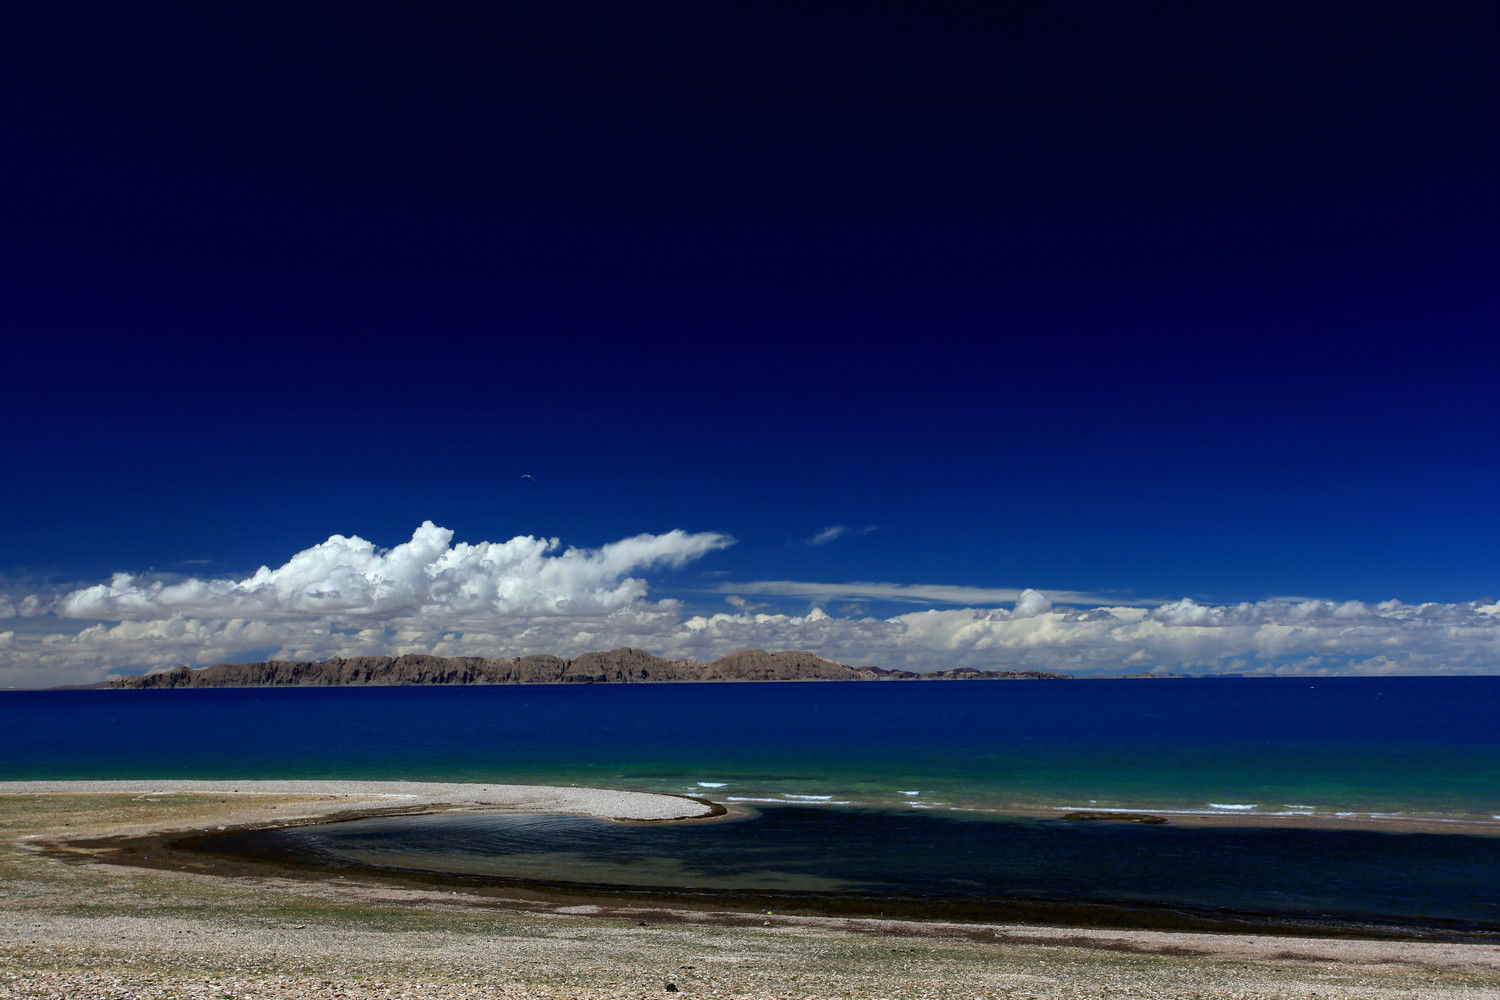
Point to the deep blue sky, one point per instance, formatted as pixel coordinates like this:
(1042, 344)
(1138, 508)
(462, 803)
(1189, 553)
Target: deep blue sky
(1164, 301)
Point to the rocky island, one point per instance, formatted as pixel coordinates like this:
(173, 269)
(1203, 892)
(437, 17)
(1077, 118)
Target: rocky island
(618, 666)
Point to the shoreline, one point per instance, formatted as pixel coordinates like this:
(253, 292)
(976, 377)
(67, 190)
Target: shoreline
(82, 925)
(1376, 822)
(211, 842)
(659, 806)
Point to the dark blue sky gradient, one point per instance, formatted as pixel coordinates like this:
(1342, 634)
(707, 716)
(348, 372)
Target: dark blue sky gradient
(1167, 301)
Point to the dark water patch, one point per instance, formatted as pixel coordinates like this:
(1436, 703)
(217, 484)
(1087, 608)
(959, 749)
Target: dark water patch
(867, 862)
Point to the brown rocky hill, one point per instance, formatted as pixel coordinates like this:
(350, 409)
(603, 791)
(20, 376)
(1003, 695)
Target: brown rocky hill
(618, 666)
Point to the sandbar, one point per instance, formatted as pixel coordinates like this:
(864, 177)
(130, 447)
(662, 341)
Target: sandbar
(307, 800)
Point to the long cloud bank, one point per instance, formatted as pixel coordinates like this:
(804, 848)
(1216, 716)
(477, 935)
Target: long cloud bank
(1304, 637)
(346, 596)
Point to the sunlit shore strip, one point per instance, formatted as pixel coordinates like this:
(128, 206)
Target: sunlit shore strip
(310, 800)
(106, 930)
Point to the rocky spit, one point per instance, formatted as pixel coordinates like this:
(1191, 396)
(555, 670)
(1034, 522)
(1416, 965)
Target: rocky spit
(74, 926)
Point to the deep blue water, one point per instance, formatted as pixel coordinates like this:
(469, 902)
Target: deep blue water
(1410, 745)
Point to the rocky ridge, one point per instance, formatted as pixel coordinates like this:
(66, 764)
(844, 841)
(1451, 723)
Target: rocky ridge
(618, 666)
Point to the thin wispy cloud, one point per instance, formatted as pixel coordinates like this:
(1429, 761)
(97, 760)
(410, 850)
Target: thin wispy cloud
(836, 531)
(739, 603)
(916, 593)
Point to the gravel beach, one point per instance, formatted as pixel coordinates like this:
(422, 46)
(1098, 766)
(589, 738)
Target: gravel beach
(73, 925)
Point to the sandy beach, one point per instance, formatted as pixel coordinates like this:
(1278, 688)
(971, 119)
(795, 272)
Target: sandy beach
(74, 925)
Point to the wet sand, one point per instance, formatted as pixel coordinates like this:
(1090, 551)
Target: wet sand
(74, 925)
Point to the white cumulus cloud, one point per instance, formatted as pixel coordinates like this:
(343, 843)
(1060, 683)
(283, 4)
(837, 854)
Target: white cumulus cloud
(349, 577)
(348, 596)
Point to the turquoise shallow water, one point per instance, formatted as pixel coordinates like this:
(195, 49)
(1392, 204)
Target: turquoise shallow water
(1425, 746)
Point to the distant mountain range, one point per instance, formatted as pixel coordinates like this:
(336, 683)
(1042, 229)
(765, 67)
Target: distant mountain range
(618, 666)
